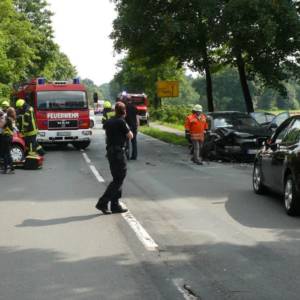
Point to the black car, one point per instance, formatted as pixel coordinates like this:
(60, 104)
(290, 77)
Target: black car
(262, 118)
(233, 136)
(277, 165)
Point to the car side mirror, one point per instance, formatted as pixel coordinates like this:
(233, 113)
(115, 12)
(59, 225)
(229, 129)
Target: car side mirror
(273, 126)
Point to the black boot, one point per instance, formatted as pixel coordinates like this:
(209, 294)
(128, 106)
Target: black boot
(102, 207)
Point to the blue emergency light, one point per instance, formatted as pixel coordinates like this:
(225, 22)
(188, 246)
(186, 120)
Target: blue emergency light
(41, 81)
(76, 81)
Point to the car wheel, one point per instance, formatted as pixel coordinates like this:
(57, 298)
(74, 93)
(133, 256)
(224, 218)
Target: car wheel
(92, 124)
(258, 186)
(17, 153)
(291, 203)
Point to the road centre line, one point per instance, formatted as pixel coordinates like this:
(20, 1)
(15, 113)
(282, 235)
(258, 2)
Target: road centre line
(86, 158)
(184, 292)
(93, 168)
(140, 232)
(135, 225)
(96, 173)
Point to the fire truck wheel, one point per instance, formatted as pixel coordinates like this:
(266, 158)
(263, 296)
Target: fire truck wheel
(81, 145)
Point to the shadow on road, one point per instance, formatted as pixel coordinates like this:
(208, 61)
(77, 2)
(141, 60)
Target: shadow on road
(40, 223)
(214, 271)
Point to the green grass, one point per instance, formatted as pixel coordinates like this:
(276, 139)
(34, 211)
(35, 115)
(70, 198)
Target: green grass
(167, 137)
(171, 125)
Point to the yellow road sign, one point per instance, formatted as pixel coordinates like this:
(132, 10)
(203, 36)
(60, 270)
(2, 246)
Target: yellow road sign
(167, 89)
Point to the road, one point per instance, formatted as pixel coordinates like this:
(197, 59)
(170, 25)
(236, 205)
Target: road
(193, 232)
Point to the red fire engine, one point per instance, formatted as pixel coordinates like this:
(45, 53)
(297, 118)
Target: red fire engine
(61, 110)
(141, 103)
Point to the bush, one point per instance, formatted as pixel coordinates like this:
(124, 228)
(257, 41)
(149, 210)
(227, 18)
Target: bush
(170, 114)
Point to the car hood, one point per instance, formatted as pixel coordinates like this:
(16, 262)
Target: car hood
(246, 132)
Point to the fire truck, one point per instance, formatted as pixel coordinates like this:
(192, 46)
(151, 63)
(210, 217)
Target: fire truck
(61, 111)
(141, 103)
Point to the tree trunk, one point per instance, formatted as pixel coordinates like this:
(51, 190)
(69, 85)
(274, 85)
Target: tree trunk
(209, 87)
(157, 102)
(244, 82)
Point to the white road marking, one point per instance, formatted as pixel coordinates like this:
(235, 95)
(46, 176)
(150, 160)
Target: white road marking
(140, 232)
(185, 293)
(96, 173)
(86, 158)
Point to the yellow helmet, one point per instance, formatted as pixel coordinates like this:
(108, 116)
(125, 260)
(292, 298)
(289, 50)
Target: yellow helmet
(20, 103)
(107, 104)
(5, 104)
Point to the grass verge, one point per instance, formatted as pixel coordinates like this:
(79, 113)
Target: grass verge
(174, 126)
(168, 137)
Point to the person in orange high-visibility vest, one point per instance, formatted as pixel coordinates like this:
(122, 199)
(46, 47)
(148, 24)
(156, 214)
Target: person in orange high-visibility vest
(197, 125)
(187, 131)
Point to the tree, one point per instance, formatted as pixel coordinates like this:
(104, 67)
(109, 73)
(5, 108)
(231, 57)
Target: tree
(91, 89)
(136, 77)
(166, 29)
(262, 39)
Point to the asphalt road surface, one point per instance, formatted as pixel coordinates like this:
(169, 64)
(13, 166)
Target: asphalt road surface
(193, 232)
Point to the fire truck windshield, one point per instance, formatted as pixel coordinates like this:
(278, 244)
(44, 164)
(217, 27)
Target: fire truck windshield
(138, 100)
(61, 100)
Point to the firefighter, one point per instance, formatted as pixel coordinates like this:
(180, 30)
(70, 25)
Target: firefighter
(6, 141)
(117, 131)
(197, 125)
(27, 126)
(4, 106)
(107, 111)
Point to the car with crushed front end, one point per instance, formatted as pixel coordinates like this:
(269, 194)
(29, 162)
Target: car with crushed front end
(277, 165)
(233, 136)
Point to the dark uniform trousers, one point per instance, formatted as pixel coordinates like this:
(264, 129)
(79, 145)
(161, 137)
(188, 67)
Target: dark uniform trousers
(31, 143)
(6, 148)
(133, 146)
(118, 168)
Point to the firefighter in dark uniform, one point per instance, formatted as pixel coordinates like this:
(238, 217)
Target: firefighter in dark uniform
(27, 125)
(117, 132)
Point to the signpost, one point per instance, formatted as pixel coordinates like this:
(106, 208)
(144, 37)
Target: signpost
(167, 89)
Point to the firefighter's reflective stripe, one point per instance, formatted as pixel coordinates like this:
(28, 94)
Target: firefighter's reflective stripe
(29, 127)
(197, 127)
(7, 131)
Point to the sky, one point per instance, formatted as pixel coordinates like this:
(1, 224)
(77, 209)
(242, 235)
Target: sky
(82, 29)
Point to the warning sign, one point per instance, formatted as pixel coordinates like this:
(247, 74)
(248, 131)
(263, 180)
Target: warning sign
(166, 89)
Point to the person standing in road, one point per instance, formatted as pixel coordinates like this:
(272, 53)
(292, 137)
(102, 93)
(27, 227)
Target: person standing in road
(187, 131)
(117, 131)
(132, 120)
(197, 125)
(3, 111)
(7, 134)
(27, 126)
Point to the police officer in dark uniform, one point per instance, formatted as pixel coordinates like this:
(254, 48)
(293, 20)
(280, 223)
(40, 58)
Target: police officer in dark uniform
(117, 132)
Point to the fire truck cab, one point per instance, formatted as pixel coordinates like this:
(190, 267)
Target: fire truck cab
(141, 103)
(61, 111)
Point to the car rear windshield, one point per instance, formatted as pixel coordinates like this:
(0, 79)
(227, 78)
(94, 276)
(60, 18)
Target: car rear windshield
(61, 100)
(231, 121)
